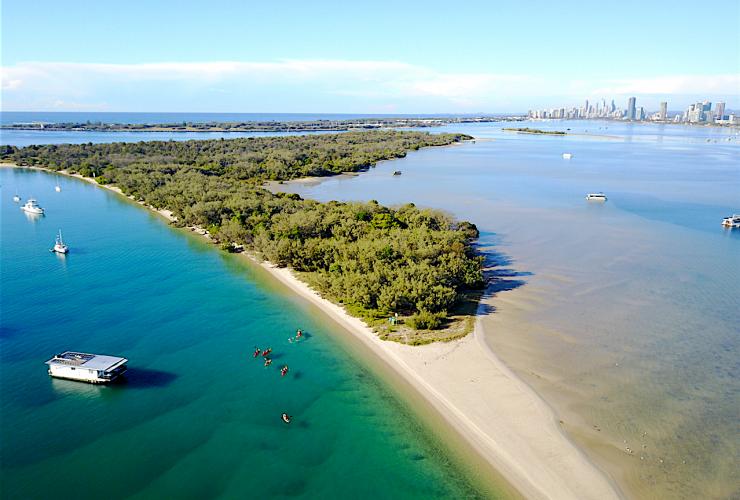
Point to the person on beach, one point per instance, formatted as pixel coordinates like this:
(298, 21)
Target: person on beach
(268, 361)
(283, 370)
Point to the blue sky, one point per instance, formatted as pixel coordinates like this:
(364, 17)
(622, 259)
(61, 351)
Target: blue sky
(357, 57)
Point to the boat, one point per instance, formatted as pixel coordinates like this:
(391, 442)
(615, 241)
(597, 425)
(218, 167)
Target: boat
(59, 246)
(397, 172)
(732, 222)
(285, 418)
(32, 207)
(58, 188)
(91, 368)
(567, 156)
(596, 197)
(16, 198)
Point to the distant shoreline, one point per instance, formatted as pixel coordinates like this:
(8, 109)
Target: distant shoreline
(502, 418)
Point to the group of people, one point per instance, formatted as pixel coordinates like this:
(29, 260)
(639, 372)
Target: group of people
(265, 354)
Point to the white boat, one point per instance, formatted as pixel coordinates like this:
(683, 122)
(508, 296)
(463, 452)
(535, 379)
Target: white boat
(58, 188)
(732, 222)
(567, 156)
(596, 197)
(16, 198)
(92, 368)
(59, 246)
(32, 207)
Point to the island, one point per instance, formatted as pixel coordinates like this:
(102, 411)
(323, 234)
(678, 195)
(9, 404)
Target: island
(527, 130)
(412, 274)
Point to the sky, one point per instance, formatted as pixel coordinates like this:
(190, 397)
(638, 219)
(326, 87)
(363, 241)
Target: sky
(365, 57)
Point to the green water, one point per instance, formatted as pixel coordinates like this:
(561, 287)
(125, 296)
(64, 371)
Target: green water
(197, 417)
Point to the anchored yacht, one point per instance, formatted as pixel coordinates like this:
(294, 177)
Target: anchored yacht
(32, 207)
(596, 197)
(59, 246)
(92, 368)
(732, 222)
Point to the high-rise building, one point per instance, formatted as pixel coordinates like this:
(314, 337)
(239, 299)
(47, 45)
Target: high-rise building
(631, 108)
(663, 114)
(719, 111)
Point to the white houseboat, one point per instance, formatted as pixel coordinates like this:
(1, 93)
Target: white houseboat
(92, 368)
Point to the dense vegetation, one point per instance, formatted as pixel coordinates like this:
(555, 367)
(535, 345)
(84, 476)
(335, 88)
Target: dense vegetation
(377, 260)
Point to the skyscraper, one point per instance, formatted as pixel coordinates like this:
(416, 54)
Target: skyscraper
(663, 111)
(631, 108)
(719, 111)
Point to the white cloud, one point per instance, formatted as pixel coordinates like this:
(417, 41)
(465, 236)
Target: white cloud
(314, 85)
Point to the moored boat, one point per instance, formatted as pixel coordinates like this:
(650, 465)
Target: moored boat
(91, 368)
(32, 207)
(59, 245)
(16, 198)
(733, 222)
(596, 197)
(58, 188)
(567, 156)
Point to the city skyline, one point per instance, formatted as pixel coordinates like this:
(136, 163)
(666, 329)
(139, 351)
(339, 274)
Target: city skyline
(351, 58)
(697, 112)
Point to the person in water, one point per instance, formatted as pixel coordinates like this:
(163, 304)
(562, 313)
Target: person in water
(257, 352)
(283, 370)
(266, 352)
(298, 334)
(285, 417)
(268, 361)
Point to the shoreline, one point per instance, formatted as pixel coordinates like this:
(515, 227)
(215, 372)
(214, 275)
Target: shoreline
(501, 417)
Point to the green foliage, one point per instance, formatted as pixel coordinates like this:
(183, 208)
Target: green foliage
(374, 259)
(425, 320)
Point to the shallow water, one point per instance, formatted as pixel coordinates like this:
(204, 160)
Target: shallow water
(197, 417)
(624, 315)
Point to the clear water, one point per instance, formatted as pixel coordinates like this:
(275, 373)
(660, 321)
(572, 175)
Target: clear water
(625, 315)
(198, 417)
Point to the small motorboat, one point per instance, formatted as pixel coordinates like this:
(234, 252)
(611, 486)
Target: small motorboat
(397, 172)
(596, 197)
(285, 418)
(16, 198)
(732, 222)
(567, 156)
(32, 207)
(59, 245)
(58, 188)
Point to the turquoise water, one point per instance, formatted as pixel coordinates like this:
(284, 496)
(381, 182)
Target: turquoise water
(197, 416)
(624, 315)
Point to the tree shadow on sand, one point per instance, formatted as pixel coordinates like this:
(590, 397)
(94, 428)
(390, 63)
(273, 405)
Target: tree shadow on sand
(498, 272)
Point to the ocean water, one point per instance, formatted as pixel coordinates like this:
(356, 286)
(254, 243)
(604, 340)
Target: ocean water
(624, 315)
(197, 416)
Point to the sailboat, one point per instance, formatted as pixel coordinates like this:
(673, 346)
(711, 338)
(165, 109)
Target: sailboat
(59, 246)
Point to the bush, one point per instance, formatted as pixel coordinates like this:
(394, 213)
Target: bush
(425, 320)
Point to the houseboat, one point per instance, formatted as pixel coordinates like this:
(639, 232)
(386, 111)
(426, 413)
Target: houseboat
(732, 222)
(91, 368)
(596, 197)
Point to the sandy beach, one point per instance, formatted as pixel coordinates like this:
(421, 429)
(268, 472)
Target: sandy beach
(497, 413)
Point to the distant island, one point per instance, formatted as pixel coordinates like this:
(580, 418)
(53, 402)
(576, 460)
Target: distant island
(412, 274)
(527, 130)
(261, 126)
